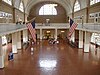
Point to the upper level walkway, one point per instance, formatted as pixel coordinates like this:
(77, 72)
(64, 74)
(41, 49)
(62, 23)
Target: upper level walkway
(11, 27)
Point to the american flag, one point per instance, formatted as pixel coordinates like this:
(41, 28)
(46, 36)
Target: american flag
(73, 25)
(31, 27)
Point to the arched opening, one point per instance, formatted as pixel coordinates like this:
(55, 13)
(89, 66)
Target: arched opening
(48, 9)
(51, 11)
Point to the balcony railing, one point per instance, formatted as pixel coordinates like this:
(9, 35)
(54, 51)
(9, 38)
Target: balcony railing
(10, 28)
(89, 27)
(52, 25)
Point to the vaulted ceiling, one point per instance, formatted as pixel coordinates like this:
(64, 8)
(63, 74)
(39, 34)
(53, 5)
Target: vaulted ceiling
(67, 4)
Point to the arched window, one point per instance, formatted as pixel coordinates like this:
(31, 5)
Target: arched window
(8, 1)
(76, 6)
(48, 9)
(94, 1)
(21, 7)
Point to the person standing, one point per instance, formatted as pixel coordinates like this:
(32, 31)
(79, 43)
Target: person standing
(10, 56)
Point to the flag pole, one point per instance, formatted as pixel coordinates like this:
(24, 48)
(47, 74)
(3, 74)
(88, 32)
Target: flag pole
(31, 20)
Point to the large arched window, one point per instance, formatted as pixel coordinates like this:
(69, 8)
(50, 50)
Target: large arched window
(94, 1)
(76, 6)
(8, 1)
(48, 9)
(21, 7)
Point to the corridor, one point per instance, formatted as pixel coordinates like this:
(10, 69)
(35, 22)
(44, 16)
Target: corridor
(53, 59)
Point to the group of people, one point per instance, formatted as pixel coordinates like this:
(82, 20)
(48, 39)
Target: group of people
(53, 41)
(20, 22)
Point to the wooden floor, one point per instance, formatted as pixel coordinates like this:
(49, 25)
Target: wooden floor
(57, 59)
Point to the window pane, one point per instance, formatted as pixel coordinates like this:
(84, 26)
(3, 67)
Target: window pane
(21, 8)
(48, 9)
(8, 1)
(94, 1)
(95, 38)
(76, 6)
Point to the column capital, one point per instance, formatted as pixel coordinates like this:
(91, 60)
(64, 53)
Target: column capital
(40, 28)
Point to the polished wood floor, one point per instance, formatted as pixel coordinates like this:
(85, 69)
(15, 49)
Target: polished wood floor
(57, 59)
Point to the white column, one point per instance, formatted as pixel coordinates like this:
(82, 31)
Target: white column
(73, 37)
(25, 36)
(86, 42)
(40, 34)
(56, 34)
(19, 40)
(14, 42)
(80, 39)
(1, 55)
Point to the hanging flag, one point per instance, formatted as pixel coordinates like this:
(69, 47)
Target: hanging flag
(73, 25)
(31, 27)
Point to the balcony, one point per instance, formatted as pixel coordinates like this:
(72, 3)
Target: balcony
(11, 28)
(52, 26)
(91, 27)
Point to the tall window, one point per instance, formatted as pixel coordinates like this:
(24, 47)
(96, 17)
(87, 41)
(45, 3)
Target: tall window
(21, 7)
(94, 1)
(48, 9)
(76, 6)
(8, 1)
(95, 38)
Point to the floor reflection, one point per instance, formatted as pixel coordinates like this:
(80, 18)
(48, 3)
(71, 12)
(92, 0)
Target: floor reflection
(86, 57)
(48, 64)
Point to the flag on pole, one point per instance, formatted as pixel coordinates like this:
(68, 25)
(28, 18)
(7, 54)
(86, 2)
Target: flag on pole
(31, 27)
(73, 25)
